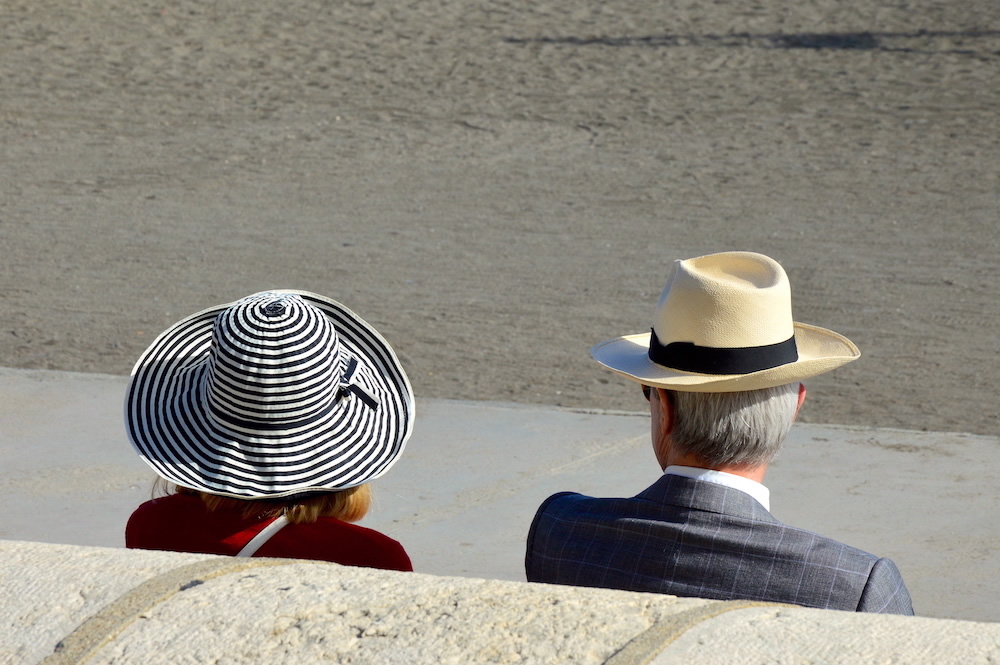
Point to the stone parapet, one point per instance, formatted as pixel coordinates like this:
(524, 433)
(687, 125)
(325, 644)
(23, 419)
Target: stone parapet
(76, 605)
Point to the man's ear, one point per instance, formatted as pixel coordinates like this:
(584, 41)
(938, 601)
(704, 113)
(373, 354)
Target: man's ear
(666, 403)
(802, 398)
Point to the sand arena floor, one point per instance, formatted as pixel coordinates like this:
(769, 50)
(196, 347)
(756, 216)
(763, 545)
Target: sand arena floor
(499, 185)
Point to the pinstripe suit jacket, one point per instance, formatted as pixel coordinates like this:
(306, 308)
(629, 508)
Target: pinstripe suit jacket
(688, 537)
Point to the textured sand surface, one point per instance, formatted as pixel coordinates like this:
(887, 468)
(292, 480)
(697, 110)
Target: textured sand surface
(499, 185)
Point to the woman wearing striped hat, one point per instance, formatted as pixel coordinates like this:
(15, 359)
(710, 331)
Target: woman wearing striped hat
(267, 418)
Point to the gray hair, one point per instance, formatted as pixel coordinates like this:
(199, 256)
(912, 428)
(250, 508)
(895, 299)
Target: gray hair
(741, 428)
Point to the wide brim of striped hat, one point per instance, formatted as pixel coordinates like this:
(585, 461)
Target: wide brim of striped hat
(280, 393)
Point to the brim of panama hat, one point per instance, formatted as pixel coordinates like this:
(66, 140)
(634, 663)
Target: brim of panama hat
(171, 426)
(819, 350)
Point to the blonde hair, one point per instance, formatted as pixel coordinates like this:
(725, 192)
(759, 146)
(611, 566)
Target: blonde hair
(349, 505)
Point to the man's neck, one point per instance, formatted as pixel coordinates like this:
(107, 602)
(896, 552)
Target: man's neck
(753, 472)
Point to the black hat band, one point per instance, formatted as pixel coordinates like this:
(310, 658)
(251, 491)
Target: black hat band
(689, 357)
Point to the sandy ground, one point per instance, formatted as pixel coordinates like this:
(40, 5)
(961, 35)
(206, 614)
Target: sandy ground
(498, 185)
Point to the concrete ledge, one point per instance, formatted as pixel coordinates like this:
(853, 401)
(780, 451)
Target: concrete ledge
(68, 604)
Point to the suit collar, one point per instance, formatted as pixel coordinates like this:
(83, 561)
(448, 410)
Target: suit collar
(684, 492)
(751, 487)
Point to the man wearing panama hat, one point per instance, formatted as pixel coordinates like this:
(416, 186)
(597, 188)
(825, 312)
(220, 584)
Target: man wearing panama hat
(721, 369)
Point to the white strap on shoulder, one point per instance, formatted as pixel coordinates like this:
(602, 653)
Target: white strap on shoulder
(276, 525)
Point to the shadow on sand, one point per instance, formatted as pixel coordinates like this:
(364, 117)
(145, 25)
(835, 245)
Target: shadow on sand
(922, 41)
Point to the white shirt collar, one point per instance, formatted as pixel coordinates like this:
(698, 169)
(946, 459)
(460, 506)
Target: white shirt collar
(751, 487)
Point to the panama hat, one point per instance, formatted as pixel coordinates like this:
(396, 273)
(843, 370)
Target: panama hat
(277, 394)
(724, 324)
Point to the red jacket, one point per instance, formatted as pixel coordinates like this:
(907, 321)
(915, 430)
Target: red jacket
(182, 523)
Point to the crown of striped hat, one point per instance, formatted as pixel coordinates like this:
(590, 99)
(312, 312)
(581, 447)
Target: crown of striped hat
(277, 394)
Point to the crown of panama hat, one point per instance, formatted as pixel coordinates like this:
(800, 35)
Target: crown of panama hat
(280, 393)
(724, 324)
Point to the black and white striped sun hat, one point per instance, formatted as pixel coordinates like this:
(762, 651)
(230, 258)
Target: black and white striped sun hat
(276, 394)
